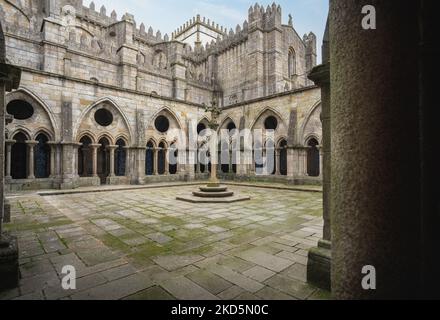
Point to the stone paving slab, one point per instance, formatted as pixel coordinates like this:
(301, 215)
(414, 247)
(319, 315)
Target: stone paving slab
(140, 243)
(185, 289)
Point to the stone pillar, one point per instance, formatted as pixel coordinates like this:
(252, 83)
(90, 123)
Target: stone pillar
(277, 162)
(191, 171)
(156, 162)
(199, 170)
(253, 165)
(290, 162)
(95, 148)
(69, 165)
(9, 144)
(319, 262)
(9, 267)
(75, 160)
(231, 160)
(31, 158)
(167, 164)
(112, 149)
(321, 161)
(127, 161)
(138, 154)
(53, 150)
(303, 153)
(375, 191)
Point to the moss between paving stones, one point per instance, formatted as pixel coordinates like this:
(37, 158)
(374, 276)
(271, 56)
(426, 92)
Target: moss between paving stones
(114, 243)
(33, 226)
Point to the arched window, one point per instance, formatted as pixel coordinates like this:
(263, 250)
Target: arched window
(283, 157)
(149, 159)
(161, 157)
(19, 157)
(292, 62)
(120, 158)
(103, 160)
(85, 158)
(42, 157)
(313, 158)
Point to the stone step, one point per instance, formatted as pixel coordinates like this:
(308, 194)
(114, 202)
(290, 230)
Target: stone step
(214, 189)
(224, 194)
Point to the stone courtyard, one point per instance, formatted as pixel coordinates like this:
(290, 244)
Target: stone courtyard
(141, 243)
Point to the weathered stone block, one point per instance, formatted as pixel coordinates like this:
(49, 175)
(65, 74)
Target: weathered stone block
(9, 270)
(319, 266)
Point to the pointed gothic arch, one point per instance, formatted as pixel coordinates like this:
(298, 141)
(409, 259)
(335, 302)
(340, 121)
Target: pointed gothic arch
(118, 124)
(41, 115)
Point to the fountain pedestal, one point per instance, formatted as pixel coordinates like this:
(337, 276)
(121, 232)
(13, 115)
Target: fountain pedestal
(213, 193)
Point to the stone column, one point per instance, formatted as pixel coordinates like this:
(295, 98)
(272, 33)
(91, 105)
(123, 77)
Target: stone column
(9, 144)
(277, 162)
(375, 191)
(76, 147)
(198, 165)
(254, 165)
(138, 155)
(127, 161)
(112, 149)
(70, 177)
(31, 158)
(9, 267)
(303, 153)
(156, 161)
(95, 148)
(53, 150)
(191, 171)
(290, 162)
(58, 161)
(84, 160)
(167, 164)
(319, 262)
(321, 161)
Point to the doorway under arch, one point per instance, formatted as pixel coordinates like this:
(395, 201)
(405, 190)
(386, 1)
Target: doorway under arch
(283, 157)
(149, 159)
(313, 158)
(161, 158)
(120, 158)
(103, 160)
(42, 157)
(85, 158)
(19, 157)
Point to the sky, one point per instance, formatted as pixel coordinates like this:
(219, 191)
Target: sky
(168, 15)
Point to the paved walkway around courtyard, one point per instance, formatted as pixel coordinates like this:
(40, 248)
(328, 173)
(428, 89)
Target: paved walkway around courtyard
(141, 243)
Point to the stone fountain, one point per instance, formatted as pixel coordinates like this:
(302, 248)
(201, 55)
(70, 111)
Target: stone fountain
(214, 192)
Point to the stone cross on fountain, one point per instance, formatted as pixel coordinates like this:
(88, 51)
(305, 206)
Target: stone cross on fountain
(213, 124)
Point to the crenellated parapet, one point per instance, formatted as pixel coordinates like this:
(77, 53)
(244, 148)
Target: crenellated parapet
(197, 22)
(265, 19)
(224, 43)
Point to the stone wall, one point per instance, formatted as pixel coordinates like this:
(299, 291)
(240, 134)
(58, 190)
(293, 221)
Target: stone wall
(85, 60)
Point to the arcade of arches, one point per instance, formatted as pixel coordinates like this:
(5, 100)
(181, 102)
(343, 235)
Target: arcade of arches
(105, 160)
